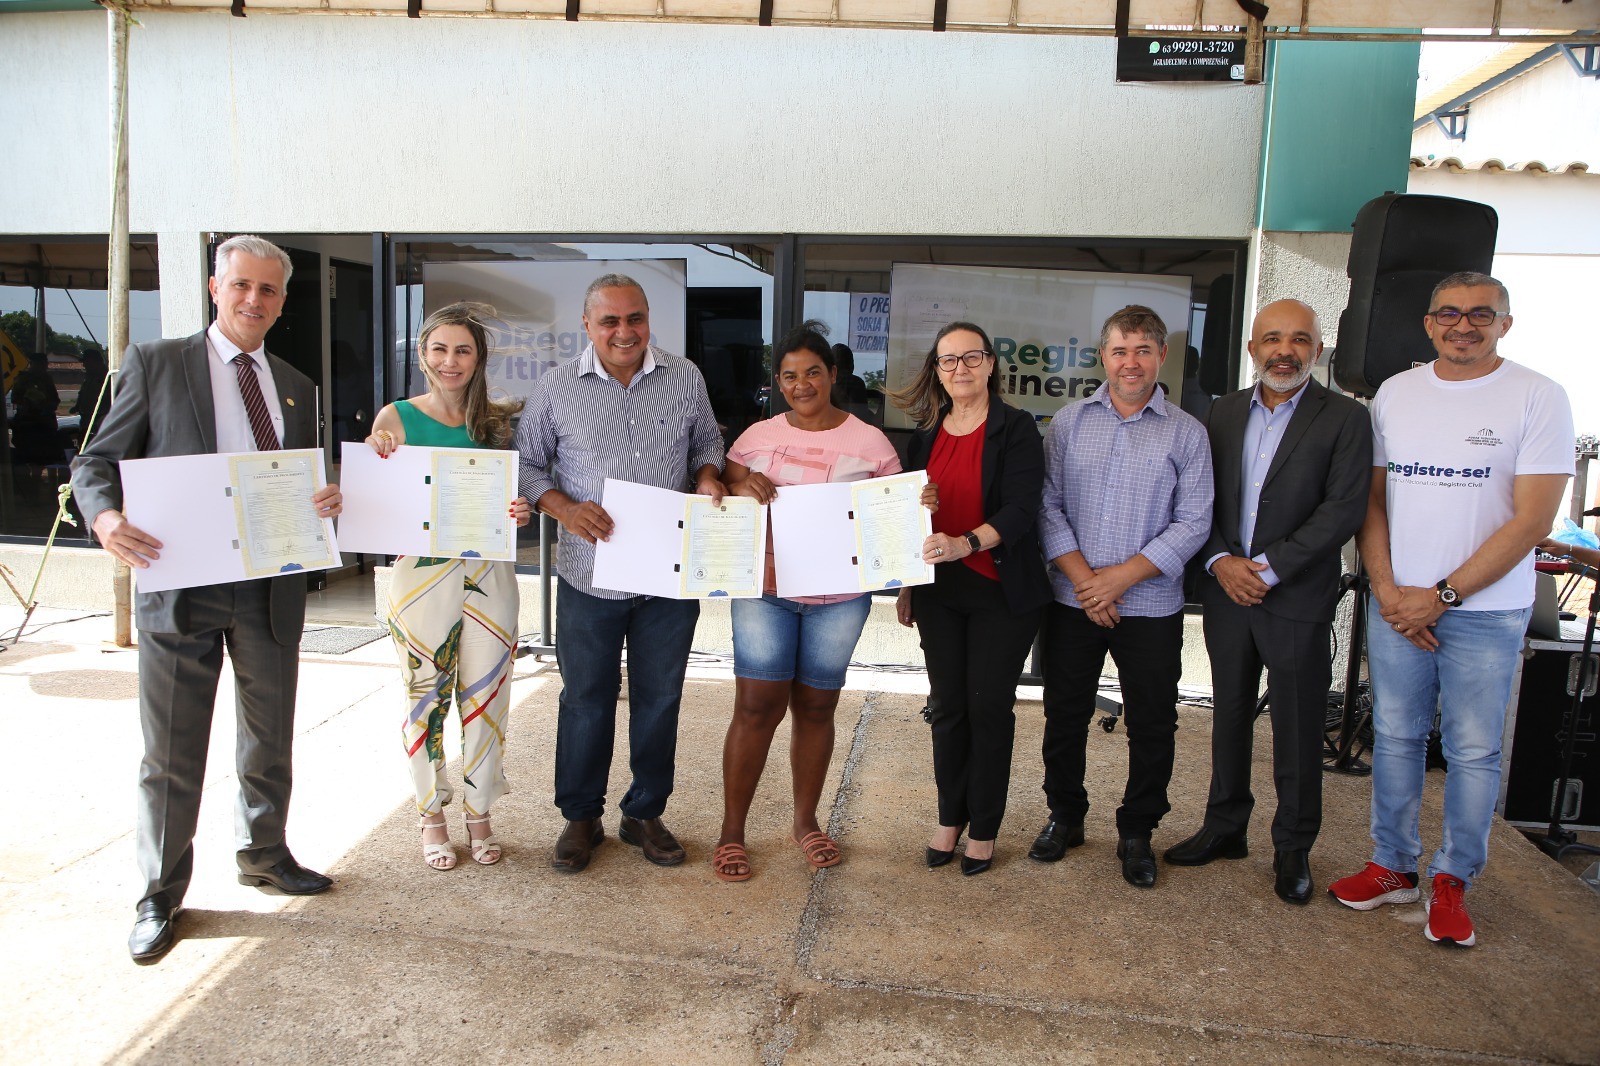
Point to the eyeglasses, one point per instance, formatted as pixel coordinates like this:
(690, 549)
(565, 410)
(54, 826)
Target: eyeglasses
(1478, 316)
(948, 363)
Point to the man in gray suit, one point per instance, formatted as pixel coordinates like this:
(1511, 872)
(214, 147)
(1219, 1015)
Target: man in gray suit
(217, 391)
(1292, 465)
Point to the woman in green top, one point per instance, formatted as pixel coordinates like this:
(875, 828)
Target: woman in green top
(454, 621)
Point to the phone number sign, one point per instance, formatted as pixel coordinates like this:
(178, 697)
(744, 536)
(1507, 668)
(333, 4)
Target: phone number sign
(1180, 59)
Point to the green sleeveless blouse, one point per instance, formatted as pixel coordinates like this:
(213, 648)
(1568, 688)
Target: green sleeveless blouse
(430, 432)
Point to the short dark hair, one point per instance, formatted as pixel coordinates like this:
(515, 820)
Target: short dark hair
(1470, 279)
(1135, 318)
(612, 281)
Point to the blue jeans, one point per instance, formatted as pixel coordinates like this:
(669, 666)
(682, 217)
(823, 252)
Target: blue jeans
(775, 639)
(1469, 679)
(590, 633)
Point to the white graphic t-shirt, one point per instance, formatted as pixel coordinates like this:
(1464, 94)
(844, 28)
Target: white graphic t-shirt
(1453, 450)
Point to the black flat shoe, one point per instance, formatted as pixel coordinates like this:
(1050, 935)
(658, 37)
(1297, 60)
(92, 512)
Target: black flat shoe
(288, 877)
(1292, 876)
(1207, 846)
(937, 858)
(1138, 861)
(152, 931)
(971, 867)
(1054, 839)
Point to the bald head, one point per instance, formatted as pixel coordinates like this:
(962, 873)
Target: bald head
(1285, 343)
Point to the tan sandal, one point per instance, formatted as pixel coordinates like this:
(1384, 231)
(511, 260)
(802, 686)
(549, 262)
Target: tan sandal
(821, 851)
(437, 856)
(485, 851)
(729, 860)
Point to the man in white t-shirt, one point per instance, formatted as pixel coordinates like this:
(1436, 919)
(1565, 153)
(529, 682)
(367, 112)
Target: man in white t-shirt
(1472, 454)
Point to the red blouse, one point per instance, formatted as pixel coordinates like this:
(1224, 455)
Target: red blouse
(956, 466)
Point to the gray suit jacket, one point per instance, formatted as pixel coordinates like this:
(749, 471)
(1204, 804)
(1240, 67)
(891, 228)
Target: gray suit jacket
(163, 407)
(1312, 502)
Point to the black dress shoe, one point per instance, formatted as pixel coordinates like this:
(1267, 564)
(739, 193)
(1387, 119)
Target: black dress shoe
(1138, 861)
(1292, 882)
(937, 858)
(1054, 840)
(152, 931)
(1205, 846)
(652, 837)
(971, 867)
(290, 878)
(576, 843)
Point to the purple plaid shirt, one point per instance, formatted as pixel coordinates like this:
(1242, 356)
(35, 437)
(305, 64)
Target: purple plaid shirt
(1115, 488)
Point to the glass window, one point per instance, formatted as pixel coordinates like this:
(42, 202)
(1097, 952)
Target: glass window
(1017, 290)
(711, 301)
(53, 333)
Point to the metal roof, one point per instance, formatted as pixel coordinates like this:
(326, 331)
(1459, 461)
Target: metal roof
(1320, 19)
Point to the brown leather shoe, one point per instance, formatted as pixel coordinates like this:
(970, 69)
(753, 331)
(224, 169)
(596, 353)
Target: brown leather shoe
(654, 838)
(576, 843)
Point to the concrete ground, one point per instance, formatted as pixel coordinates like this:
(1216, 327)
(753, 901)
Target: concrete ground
(877, 960)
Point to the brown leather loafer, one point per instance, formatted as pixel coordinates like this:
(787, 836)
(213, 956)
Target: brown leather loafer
(576, 843)
(653, 838)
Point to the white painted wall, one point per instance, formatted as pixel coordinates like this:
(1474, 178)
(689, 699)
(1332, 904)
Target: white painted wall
(1548, 254)
(323, 123)
(1549, 114)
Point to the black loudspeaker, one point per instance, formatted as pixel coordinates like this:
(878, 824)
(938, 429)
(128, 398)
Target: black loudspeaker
(1403, 246)
(1214, 346)
(1536, 732)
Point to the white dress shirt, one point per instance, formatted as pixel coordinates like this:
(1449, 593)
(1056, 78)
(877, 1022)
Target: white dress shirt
(233, 424)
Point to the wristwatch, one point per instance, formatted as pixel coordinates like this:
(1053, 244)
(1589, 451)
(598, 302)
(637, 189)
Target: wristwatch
(1447, 593)
(973, 542)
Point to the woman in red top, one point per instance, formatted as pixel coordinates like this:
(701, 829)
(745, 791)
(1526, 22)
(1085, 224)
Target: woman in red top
(978, 619)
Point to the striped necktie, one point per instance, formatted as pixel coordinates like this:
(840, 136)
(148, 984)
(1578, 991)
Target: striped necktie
(255, 406)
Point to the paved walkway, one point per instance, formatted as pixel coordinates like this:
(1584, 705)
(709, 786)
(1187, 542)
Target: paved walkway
(877, 960)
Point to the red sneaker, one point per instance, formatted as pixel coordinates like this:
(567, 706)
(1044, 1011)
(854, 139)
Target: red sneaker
(1448, 921)
(1374, 886)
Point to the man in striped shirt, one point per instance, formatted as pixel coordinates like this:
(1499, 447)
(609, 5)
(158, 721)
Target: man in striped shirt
(623, 409)
(1127, 501)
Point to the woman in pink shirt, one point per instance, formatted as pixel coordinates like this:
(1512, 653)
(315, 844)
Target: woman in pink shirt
(790, 655)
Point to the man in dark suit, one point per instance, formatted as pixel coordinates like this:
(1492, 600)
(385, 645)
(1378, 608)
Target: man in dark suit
(1292, 464)
(217, 391)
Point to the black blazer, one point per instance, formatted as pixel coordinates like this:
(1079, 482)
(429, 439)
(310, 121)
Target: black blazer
(1312, 502)
(1013, 481)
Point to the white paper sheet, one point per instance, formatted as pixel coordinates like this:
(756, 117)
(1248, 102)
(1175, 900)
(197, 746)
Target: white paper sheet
(648, 543)
(388, 502)
(814, 539)
(184, 502)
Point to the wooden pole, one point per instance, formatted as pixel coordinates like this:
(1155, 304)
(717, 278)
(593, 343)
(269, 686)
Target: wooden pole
(118, 22)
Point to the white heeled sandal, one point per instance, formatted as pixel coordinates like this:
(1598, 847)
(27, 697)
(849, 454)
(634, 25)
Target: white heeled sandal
(487, 851)
(437, 856)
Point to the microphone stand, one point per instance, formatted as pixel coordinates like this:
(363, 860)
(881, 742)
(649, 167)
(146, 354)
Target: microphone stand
(1557, 840)
(1343, 759)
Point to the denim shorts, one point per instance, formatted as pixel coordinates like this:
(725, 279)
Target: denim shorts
(775, 639)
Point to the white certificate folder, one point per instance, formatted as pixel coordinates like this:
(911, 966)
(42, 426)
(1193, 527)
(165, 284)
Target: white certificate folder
(656, 549)
(822, 547)
(392, 506)
(193, 505)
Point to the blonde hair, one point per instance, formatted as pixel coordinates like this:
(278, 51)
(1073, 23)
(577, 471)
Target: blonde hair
(925, 398)
(488, 420)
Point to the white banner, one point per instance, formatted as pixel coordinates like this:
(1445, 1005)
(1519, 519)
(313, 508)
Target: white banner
(869, 324)
(1045, 325)
(540, 306)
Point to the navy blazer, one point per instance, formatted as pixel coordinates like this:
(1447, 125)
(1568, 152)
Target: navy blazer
(1013, 482)
(1312, 502)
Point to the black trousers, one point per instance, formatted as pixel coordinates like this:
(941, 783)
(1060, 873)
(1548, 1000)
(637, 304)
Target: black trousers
(975, 649)
(1299, 664)
(1148, 654)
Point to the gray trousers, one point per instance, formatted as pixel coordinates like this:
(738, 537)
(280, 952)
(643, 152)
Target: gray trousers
(178, 676)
